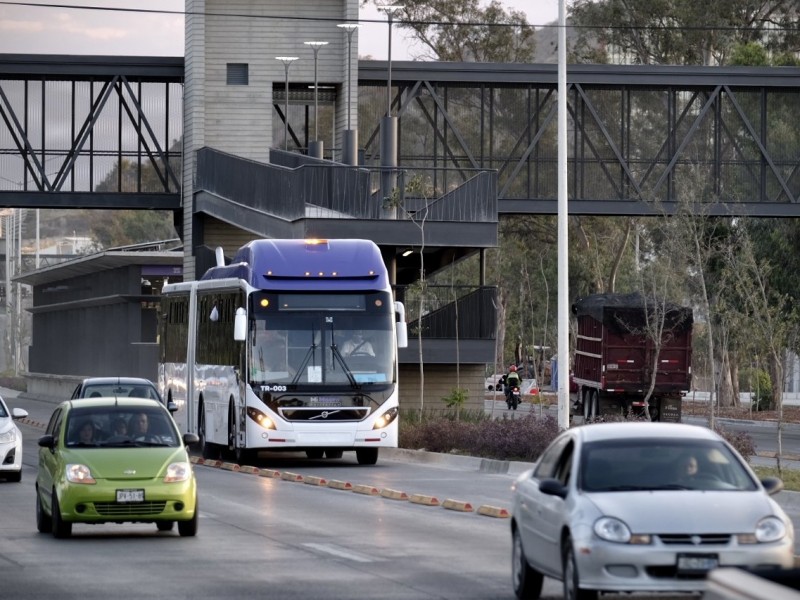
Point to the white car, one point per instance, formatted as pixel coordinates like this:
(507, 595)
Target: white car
(642, 508)
(10, 442)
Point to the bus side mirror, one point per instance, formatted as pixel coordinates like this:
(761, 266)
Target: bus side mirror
(240, 325)
(400, 325)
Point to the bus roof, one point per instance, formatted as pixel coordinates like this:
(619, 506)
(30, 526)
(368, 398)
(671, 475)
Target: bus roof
(343, 264)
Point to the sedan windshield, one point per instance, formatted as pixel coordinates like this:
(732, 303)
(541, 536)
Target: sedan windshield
(646, 464)
(95, 427)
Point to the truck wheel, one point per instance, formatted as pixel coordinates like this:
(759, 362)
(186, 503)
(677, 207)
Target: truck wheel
(586, 402)
(591, 406)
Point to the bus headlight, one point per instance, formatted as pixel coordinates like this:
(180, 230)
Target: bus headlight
(386, 418)
(260, 418)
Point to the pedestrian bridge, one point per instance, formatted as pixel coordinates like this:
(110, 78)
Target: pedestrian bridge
(105, 132)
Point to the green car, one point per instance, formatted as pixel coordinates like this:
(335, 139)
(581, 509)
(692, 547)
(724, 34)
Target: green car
(114, 460)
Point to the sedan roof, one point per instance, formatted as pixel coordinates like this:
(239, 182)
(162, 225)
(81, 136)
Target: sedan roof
(607, 431)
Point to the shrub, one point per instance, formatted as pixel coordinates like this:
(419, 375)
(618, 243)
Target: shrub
(741, 440)
(760, 384)
(503, 439)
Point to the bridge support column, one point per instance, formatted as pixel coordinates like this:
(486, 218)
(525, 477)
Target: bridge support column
(388, 166)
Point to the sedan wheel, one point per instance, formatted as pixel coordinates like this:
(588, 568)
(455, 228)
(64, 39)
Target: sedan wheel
(61, 528)
(527, 581)
(43, 522)
(572, 591)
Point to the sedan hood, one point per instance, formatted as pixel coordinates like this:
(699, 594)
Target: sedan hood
(686, 511)
(126, 463)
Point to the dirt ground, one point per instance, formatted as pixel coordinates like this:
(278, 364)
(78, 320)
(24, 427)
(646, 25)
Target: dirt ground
(791, 414)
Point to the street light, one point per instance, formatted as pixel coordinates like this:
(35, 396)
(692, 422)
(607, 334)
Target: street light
(315, 147)
(390, 9)
(389, 129)
(287, 61)
(350, 138)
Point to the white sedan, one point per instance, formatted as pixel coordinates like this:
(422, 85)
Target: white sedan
(642, 507)
(10, 442)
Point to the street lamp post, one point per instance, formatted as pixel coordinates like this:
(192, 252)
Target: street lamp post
(287, 62)
(315, 147)
(389, 128)
(350, 137)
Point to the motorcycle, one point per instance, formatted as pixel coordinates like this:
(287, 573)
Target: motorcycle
(513, 398)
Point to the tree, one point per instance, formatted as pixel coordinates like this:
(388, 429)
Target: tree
(681, 32)
(771, 312)
(466, 31)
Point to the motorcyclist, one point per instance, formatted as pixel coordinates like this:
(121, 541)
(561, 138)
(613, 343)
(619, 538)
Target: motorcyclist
(512, 380)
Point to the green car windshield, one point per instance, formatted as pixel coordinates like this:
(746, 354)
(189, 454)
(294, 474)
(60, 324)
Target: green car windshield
(96, 427)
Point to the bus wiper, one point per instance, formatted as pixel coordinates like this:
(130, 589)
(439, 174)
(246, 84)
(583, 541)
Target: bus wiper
(338, 356)
(311, 352)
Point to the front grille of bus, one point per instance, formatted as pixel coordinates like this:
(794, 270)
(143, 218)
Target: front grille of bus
(325, 415)
(114, 509)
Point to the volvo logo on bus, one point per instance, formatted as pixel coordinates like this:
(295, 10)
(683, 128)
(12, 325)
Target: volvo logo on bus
(324, 414)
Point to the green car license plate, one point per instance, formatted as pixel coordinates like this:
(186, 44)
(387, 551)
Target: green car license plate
(127, 496)
(697, 563)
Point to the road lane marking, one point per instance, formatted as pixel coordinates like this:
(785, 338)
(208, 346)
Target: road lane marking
(339, 551)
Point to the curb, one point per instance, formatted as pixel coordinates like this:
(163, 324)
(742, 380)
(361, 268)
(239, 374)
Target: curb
(483, 465)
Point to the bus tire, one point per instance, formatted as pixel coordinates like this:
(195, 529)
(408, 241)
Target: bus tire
(367, 456)
(231, 451)
(209, 451)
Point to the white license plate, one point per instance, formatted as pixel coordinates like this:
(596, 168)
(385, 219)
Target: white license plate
(696, 563)
(130, 495)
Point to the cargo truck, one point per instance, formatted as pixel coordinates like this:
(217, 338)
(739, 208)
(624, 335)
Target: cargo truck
(616, 352)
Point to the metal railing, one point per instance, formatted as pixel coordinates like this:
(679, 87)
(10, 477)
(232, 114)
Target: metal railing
(294, 186)
(451, 312)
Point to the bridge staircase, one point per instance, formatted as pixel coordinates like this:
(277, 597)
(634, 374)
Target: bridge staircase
(449, 214)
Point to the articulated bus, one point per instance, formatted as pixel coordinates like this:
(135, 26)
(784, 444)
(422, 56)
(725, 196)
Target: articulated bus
(291, 346)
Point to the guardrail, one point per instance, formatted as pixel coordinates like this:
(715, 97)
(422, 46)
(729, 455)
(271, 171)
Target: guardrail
(736, 584)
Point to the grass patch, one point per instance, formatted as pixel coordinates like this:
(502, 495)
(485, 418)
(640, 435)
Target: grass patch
(790, 477)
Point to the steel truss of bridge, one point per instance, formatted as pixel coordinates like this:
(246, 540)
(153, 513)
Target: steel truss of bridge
(642, 139)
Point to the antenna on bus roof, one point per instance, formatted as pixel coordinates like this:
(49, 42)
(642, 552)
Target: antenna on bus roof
(220, 254)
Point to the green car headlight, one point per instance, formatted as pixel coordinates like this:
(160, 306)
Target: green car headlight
(77, 473)
(178, 471)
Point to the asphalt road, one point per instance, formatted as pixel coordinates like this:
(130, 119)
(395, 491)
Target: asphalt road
(284, 537)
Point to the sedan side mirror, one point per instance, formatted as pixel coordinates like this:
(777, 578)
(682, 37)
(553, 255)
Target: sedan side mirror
(18, 413)
(552, 487)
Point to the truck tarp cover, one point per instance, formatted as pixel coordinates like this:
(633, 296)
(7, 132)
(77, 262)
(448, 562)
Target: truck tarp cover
(626, 311)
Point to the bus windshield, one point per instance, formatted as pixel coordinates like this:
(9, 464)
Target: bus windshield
(334, 339)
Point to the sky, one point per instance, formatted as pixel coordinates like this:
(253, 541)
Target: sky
(51, 30)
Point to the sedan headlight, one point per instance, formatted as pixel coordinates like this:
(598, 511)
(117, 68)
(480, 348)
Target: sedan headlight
(8, 436)
(611, 529)
(179, 471)
(77, 473)
(769, 529)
